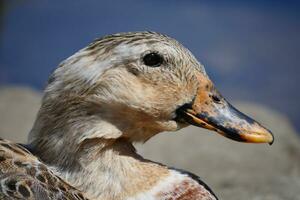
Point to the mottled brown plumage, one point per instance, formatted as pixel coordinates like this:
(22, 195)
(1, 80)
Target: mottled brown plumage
(23, 176)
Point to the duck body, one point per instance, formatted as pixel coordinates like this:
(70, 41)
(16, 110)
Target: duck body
(24, 176)
(119, 90)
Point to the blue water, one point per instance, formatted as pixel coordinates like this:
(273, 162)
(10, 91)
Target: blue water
(250, 50)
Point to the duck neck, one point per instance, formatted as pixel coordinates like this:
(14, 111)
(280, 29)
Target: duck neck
(114, 171)
(102, 168)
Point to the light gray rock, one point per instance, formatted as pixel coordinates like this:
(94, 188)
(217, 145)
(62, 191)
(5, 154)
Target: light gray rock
(18, 108)
(235, 171)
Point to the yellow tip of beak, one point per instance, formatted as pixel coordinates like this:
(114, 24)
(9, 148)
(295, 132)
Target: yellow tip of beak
(262, 136)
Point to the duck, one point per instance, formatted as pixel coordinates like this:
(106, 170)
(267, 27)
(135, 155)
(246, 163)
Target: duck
(121, 89)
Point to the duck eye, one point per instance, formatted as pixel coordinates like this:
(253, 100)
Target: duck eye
(153, 59)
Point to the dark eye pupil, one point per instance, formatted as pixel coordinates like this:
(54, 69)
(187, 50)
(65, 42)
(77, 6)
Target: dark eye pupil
(153, 60)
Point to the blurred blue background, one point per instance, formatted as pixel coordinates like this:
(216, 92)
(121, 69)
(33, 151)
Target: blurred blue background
(250, 49)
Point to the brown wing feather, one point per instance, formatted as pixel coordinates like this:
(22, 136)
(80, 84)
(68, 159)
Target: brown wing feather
(198, 180)
(23, 176)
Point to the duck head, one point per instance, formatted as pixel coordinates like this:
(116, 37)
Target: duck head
(133, 86)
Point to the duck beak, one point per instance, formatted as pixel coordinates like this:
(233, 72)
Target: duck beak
(211, 111)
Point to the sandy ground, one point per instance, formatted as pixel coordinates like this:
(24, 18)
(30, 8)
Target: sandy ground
(235, 171)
